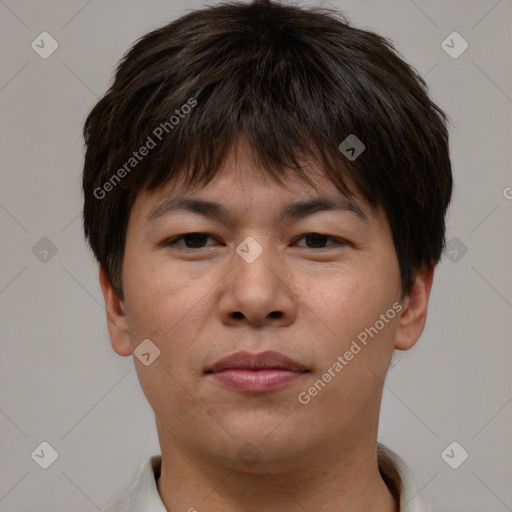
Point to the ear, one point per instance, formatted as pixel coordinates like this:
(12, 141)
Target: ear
(116, 319)
(414, 312)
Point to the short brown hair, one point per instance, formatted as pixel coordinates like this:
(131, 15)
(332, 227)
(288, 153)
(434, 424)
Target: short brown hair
(295, 82)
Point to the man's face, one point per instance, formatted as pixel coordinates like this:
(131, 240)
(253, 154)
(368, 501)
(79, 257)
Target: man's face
(259, 281)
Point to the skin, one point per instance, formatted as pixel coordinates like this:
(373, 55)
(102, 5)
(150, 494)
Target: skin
(308, 302)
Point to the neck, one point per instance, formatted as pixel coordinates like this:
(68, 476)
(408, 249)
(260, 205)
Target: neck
(331, 479)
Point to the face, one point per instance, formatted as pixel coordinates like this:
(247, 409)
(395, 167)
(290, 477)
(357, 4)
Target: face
(255, 275)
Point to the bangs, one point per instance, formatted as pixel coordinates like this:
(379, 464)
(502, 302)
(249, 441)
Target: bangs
(280, 141)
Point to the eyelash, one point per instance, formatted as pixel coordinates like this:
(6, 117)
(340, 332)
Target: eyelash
(172, 241)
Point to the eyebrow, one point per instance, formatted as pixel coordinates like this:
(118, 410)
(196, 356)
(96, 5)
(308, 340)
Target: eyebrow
(290, 211)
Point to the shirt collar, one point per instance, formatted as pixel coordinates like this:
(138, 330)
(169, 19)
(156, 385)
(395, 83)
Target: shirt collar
(143, 495)
(411, 498)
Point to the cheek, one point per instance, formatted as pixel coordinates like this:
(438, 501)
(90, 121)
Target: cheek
(170, 306)
(155, 300)
(162, 304)
(344, 308)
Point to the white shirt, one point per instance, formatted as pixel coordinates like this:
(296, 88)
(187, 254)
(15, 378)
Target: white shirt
(143, 495)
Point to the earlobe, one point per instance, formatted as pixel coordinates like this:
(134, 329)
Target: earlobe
(116, 319)
(414, 313)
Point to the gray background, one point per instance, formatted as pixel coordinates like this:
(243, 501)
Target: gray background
(61, 382)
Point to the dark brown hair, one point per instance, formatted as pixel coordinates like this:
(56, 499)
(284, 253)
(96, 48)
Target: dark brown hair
(295, 82)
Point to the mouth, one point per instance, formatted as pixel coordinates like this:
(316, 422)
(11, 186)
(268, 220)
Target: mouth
(256, 373)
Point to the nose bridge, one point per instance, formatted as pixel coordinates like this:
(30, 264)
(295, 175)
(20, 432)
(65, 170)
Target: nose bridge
(255, 259)
(250, 248)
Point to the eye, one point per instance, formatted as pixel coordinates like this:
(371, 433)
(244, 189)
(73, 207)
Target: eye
(318, 239)
(192, 240)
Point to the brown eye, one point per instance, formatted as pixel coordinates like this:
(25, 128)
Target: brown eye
(191, 240)
(318, 240)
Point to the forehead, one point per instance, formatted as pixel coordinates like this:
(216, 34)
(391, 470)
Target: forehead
(242, 171)
(241, 186)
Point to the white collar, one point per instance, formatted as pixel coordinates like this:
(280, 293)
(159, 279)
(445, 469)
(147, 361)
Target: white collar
(411, 499)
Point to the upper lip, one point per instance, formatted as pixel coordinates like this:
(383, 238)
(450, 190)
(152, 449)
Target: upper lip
(250, 361)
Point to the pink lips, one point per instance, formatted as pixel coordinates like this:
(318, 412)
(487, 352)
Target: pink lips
(252, 373)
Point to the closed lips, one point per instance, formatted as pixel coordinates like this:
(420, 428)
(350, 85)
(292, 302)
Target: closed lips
(261, 361)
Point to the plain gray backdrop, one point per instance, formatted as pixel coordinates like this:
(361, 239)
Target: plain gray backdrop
(60, 381)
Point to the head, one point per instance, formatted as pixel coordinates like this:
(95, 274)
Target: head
(246, 105)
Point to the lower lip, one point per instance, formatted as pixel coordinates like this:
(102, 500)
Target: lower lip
(253, 381)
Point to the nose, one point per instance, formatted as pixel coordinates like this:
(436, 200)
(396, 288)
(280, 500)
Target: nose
(257, 291)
